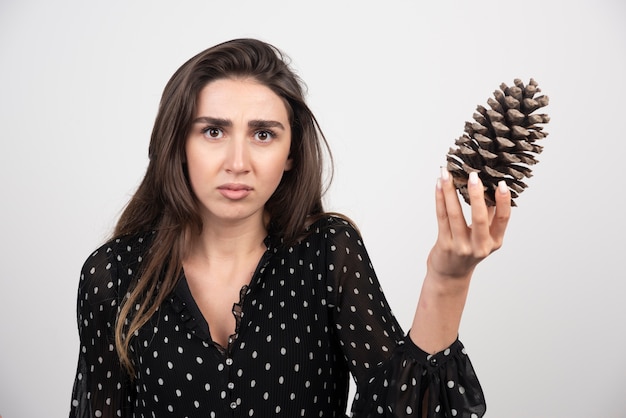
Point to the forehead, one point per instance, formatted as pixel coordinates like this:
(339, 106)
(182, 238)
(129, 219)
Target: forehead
(230, 97)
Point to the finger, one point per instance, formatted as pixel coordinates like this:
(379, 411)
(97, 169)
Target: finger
(502, 213)
(491, 210)
(481, 234)
(442, 214)
(476, 191)
(458, 226)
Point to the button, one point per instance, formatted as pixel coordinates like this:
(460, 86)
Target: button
(233, 405)
(433, 362)
(231, 385)
(229, 361)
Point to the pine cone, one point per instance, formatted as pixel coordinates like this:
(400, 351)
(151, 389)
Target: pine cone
(501, 143)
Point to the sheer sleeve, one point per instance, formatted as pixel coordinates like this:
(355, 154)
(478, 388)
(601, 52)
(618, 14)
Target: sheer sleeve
(101, 388)
(394, 377)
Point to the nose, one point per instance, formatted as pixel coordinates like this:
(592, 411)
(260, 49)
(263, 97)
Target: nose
(237, 157)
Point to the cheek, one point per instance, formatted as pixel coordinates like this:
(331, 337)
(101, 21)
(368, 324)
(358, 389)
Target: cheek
(198, 171)
(199, 161)
(280, 166)
(192, 180)
(191, 169)
(270, 177)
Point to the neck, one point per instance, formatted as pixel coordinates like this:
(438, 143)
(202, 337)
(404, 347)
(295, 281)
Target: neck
(231, 241)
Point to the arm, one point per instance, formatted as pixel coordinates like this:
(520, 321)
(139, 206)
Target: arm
(451, 262)
(101, 387)
(393, 375)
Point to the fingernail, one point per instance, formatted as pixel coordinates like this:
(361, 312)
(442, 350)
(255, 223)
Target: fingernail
(473, 177)
(438, 188)
(502, 187)
(445, 175)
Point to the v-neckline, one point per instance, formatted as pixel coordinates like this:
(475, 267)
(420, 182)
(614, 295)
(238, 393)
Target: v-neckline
(202, 328)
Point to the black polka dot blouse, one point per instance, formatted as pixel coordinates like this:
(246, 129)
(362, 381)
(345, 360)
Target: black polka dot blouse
(312, 316)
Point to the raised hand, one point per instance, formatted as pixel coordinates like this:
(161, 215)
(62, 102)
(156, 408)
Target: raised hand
(451, 262)
(459, 246)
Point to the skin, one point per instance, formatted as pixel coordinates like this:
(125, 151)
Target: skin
(451, 262)
(240, 139)
(224, 148)
(237, 152)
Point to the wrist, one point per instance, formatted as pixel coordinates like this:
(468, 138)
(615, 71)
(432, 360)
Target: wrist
(443, 284)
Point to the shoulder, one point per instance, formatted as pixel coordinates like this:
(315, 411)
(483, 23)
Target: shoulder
(335, 228)
(111, 267)
(328, 222)
(124, 251)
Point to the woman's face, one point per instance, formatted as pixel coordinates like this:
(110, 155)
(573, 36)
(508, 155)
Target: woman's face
(237, 150)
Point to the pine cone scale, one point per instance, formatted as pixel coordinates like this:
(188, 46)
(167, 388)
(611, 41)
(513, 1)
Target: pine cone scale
(500, 143)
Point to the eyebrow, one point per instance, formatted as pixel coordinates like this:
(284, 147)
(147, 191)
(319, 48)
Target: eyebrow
(254, 124)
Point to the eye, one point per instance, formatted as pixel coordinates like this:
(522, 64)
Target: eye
(264, 136)
(212, 132)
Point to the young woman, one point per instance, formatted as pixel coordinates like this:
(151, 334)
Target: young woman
(228, 291)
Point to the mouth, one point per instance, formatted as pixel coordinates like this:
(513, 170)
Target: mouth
(234, 191)
(235, 187)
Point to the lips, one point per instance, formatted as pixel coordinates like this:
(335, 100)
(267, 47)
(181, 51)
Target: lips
(234, 191)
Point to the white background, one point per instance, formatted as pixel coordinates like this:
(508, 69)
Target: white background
(392, 84)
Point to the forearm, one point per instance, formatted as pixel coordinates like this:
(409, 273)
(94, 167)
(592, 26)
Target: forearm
(452, 260)
(439, 310)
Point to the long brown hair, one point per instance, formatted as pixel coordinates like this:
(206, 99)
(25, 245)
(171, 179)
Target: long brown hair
(164, 202)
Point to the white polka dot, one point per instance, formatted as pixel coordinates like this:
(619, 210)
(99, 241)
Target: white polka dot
(287, 306)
